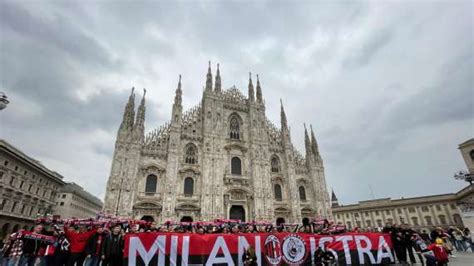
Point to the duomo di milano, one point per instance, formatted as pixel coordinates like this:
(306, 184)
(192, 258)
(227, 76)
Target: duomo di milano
(221, 159)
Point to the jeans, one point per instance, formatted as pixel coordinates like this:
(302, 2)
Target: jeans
(13, 261)
(430, 259)
(27, 260)
(469, 244)
(92, 261)
(460, 245)
(76, 259)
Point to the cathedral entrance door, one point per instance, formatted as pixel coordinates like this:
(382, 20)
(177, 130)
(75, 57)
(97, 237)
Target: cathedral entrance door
(237, 212)
(187, 219)
(148, 218)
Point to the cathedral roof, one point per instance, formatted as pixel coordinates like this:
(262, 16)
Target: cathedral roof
(233, 98)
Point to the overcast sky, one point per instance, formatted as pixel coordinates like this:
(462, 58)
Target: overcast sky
(387, 86)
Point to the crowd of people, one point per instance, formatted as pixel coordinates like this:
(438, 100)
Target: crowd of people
(66, 245)
(92, 242)
(434, 247)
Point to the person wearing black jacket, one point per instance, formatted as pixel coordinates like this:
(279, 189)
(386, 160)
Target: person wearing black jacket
(407, 234)
(62, 253)
(93, 247)
(31, 248)
(112, 250)
(323, 257)
(425, 236)
(398, 244)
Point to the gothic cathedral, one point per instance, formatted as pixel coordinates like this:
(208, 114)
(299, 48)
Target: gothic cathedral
(221, 159)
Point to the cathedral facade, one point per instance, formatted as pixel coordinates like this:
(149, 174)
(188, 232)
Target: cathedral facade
(221, 159)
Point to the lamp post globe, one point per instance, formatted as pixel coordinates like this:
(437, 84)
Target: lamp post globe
(466, 176)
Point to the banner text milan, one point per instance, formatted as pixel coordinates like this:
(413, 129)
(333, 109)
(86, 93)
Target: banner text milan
(270, 249)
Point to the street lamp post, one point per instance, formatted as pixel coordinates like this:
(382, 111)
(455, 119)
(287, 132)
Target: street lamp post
(463, 175)
(3, 101)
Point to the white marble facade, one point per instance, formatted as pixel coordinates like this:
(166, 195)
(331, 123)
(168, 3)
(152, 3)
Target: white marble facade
(221, 159)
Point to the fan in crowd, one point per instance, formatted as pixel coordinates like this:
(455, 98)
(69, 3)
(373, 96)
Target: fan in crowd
(100, 241)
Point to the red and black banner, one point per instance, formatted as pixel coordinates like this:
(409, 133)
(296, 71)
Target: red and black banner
(270, 249)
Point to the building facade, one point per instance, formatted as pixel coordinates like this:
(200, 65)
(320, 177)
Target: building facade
(220, 159)
(27, 189)
(73, 201)
(466, 199)
(467, 152)
(419, 212)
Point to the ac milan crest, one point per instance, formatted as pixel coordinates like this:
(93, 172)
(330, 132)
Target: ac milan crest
(272, 250)
(294, 249)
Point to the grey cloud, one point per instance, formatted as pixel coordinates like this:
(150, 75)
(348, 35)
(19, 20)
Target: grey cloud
(58, 32)
(450, 99)
(361, 56)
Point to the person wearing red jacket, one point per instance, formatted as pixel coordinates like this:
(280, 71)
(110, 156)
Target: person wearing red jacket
(440, 255)
(78, 242)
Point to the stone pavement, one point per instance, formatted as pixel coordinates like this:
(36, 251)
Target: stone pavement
(462, 259)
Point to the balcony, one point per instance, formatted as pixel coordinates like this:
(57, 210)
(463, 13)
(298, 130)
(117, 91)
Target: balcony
(236, 180)
(188, 197)
(280, 204)
(149, 195)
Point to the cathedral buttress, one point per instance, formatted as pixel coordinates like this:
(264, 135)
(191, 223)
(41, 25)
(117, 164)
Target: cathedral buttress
(173, 158)
(291, 172)
(213, 161)
(320, 179)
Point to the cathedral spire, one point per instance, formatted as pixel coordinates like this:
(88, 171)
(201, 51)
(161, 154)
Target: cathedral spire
(259, 91)
(141, 111)
(177, 107)
(284, 123)
(179, 93)
(129, 112)
(251, 91)
(307, 142)
(209, 78)
(218, 85)
(140, 120)
(334, 200)
(314, 143)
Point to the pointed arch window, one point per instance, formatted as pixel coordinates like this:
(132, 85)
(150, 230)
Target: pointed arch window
(234, 128)
(190, 154)
(236, 166)
(278, 195)
(275, 165)
(302, 193)
(188, 187)
(151, 183)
